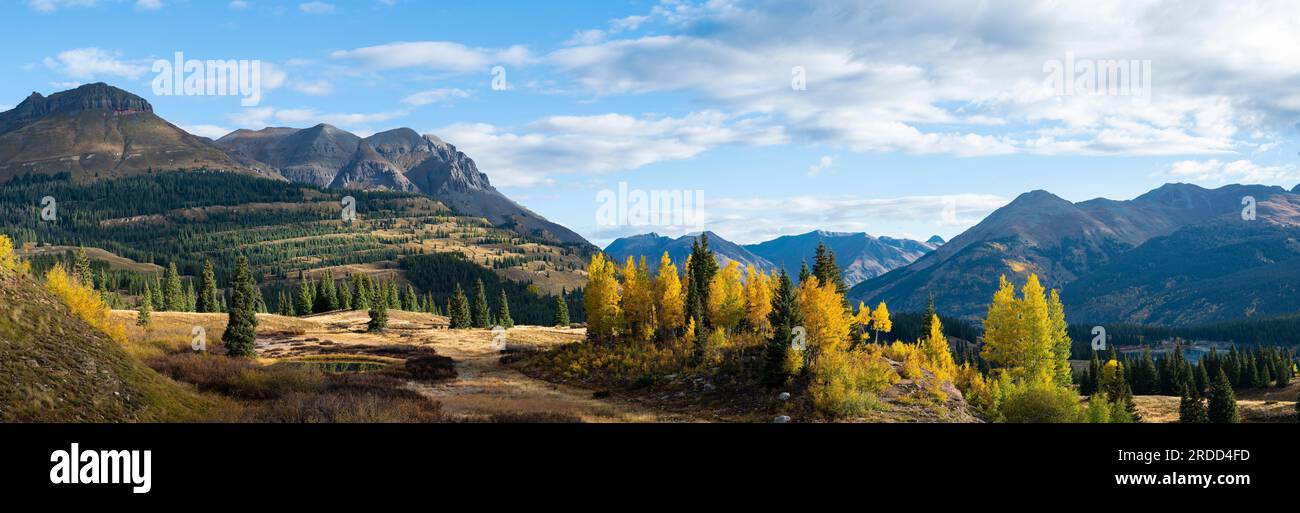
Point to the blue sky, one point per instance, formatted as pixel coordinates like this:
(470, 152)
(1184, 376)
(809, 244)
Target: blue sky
(916, 118)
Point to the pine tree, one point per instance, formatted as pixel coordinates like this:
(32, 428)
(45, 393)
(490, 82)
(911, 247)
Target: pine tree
(361, 296)
(173, 295)
(930, 313)
(503, 312)
(241, 328)
(784, 316)
(306, 297)
(391, 295)
(481, 316)
(561, 318)
(410, 302)
(378, 316)
(458, 309)
(1191, 409)
(190, 296)
(701, 268)
(345, 295)
(1222, 404)
(159, 297)
(143, 318)
(206, 302)
(284, 304)
(825, 268)
(81, 269)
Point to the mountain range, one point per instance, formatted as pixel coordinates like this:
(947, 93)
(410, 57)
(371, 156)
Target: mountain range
(98, 131)
(859, 255)
(1177, 255)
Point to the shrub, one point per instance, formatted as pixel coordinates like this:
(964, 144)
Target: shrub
(847, 383)
(1039, 403)
(83, 301)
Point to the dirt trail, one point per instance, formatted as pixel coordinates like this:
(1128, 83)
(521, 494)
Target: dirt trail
(484, 387)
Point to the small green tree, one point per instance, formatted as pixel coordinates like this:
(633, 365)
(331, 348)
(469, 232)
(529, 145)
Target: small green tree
(306, 297)
(206, 302)
(143, 318)
(561, 318)
(482, 314)
(173, 294)
(1191, 409)
(378, 316)
(503, 312)
(1222, 407)
(458, 309)
(241, 328)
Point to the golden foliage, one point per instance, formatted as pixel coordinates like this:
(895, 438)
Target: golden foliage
(758, 300)
(601, 300)
(669, 301)
(726, 297)
(83, 301)
(824, 317)
(9, 261)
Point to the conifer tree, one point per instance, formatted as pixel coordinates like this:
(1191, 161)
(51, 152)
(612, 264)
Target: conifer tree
(825, 268)
(561, 318)
(1222, 402)
(701, 268)
(206, 302)
(81, 269)
(143, 317)
(173, 294)
(503, 312)
(482, 314)
(1191, 409)
(458, 309)
(784, 316)
(159, 297)
(930, 313)
(410, 302)
(241, 328)
(378, 316)
(361, 297)
(306, 297)
(393, 302)
(284, 304)
(190, 296)
(345, 295)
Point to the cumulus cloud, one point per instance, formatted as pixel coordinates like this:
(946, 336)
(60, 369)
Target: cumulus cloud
(86, 63)
(599, 143)
(1218, 172)
(935, 77)
(434, 55)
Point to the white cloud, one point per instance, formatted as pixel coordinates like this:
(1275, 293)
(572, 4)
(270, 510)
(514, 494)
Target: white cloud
(240, 4)
(86, 63)
(313, 88)
(149, 5)
(49, 6)
(434, 55)
(928, 77)
(598, 144)
(825, 162)
(1217, 172)
(261, 117)
(316, 8)
(434, 96)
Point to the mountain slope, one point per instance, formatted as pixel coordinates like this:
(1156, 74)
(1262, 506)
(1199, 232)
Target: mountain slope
(1226, 268)
(653, 245)
(97, 131)
(313, 155)
(860, 256)
(57, 368)
(1044, 234)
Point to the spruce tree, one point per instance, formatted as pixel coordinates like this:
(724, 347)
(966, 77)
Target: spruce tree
(1222, 404)
(783, 317)
(1191, 409)
(159, 298)
(482, 315)
(561, 318)
(284, 304)
(190, 297)
(143, 318)
(701, 267)
(410, 302)
(173, 295)
(458, 309)
(206, 302)
(378, 316)
(241, 329)
(81, 269)
(306, 297)
(503, 312)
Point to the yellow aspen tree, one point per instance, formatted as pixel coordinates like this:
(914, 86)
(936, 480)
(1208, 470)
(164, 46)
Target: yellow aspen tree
(638, 302)
(937, 353)
(862, 319)
(880, 321)
(1058, 332)
(726, 297)
(669, 301)
(1001, 328)
(758, 300)
(601, 300)
(1039, 344)
(826, 322)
